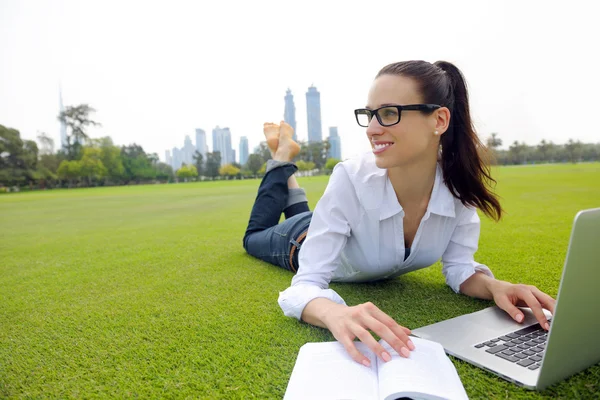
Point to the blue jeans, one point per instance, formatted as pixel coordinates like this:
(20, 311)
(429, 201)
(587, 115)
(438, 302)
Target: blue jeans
(266, 238)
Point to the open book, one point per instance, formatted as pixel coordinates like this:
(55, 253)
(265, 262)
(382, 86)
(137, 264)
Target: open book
(326, 371)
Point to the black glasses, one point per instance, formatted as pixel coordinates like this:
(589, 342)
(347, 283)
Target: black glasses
(389, 115)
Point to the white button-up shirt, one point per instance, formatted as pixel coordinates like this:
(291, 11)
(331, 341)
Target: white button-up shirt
(357, 234)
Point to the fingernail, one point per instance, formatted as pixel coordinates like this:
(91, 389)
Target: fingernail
(519, 317)
(386, 357)
(547, 326)
(405, 352)
(366, 363)
(410, 345)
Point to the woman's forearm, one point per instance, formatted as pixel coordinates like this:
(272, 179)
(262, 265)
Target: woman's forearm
(478, 285)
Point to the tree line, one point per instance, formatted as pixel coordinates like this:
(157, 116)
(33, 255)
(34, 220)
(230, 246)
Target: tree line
(84, 161)
(544, 152)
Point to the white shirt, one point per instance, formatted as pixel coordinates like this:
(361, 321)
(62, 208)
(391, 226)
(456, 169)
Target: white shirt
(356, 234)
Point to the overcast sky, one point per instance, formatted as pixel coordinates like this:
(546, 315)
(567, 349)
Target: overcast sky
(155, 71)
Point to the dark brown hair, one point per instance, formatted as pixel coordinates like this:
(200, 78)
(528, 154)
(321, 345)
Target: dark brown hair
(465, 160)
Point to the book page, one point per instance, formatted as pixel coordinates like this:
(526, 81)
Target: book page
(326, 371)
(427, 374)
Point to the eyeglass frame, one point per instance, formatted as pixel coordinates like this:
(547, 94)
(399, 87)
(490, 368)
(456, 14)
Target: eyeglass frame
(408, 107)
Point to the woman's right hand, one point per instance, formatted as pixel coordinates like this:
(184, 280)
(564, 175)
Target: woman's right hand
(347, 323)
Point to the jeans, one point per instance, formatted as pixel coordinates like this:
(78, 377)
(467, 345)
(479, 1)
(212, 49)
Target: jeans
(265, 237)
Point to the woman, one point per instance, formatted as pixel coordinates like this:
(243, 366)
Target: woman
(409, 202)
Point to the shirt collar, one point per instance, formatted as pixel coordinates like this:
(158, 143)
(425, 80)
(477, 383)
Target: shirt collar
(440, 203)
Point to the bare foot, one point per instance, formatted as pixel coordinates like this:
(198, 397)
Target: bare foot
(271, 131)
(287, 148)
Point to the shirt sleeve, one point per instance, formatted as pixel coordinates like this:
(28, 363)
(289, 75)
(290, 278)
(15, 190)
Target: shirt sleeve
(320, 253)
(457, 261)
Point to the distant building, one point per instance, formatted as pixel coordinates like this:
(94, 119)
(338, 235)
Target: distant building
(188, 151)
(313, 113)
(176, 158)
(289, 113)
(201, 146)
(335, 145)
(243, 150)
(222, 144)
(168, 159)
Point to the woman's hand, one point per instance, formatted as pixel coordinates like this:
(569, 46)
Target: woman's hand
(508, 296)
(348, 323)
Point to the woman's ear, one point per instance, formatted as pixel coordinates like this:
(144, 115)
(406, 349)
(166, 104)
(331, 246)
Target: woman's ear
(442, 120)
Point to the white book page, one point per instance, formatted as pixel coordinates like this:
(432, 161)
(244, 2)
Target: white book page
(326, 371)
(427, 374)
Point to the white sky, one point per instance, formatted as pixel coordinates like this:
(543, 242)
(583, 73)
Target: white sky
(155, 71)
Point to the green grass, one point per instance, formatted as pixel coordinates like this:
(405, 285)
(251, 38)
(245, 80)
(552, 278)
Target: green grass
(146, 291)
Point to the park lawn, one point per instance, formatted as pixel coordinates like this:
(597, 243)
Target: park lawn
(146, 291)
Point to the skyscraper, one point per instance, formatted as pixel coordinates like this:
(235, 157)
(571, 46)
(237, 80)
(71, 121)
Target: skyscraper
(201, 146)
(168, 159)
(335, 145)
(63, 126)
(243, 150)
(188, 151)
(289, 113)
(222, 144)
(176, 159)
(313, 113)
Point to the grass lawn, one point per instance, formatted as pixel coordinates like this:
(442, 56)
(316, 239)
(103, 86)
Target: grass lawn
(146, 291)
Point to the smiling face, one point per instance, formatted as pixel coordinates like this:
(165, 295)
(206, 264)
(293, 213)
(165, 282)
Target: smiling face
(410, 141)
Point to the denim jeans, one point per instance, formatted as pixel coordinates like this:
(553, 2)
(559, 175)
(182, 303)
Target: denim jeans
(265, 237)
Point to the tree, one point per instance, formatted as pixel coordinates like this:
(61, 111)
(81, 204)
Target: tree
(494, 142)
(545, 149)
(77, 119)
(187, 171)
(213, 163)
(164, 171)
(331, 163)
(110, 155)
(46, 142)
(573, 150)
(517, 152)
(91, 164)
(254, 163)
(315, 152)
(199, 162)
(229, 170)
(138, 166)
(304, 166)
(18, 158)
(69, 170)
(263, 151)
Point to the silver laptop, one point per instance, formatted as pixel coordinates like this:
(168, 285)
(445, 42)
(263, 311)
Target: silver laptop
(524, 353)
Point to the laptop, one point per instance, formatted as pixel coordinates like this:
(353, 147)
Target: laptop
(524, 353)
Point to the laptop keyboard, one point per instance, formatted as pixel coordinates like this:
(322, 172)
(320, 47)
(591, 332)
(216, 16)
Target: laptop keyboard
(524, 347)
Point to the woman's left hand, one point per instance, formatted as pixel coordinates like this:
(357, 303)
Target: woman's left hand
(509, 295)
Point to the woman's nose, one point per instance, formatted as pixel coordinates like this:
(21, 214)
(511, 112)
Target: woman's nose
(374, 128)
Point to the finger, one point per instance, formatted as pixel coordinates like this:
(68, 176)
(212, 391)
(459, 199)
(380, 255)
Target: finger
(400, 343)
(505, 304)
(397, 330)
(351, 349)
(546, 300)
(365, 336)
(536, 307)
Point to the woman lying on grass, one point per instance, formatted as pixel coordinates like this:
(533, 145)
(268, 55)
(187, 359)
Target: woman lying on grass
(409, 202)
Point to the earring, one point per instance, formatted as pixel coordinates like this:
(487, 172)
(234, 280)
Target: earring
(436, 133)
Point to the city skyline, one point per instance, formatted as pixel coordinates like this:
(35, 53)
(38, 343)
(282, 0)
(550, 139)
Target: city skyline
(153, 101)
